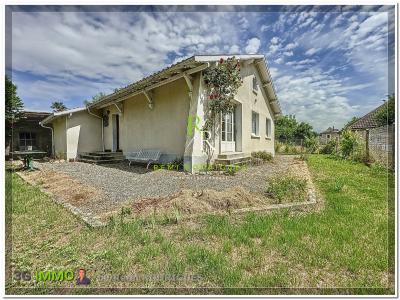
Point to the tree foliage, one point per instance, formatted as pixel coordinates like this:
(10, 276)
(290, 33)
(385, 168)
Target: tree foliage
(287, 129)
(386, 115)
(351, 122)
(95, 98)
(57, 106)
(348, 143)
(223, 81)
(14, 105)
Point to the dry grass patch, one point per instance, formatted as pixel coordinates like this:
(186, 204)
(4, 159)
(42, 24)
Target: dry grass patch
(62, 186)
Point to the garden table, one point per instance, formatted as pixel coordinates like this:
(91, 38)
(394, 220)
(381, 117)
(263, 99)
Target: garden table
(27, 157)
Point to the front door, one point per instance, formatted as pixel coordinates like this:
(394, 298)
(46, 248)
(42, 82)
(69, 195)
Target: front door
(227, 130)
(115, 124)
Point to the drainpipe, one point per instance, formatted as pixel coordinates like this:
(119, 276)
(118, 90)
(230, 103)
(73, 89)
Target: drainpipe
(102, 126)
(52, 137)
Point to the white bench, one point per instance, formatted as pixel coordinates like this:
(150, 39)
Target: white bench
(144, 156)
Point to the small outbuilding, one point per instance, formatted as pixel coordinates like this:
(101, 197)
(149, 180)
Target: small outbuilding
(74, 131)
(28, 135)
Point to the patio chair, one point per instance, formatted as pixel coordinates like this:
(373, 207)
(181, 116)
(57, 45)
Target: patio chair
(144, 156)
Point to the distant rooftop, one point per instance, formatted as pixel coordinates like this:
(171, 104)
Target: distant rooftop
(331, 130)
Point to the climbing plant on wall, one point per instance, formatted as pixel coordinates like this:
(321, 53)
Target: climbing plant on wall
(222, 81)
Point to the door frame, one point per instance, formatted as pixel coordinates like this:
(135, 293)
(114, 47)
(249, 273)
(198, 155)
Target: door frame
(115, 132)
(225, 145)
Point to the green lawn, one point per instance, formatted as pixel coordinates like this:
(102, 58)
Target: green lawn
(342, 248)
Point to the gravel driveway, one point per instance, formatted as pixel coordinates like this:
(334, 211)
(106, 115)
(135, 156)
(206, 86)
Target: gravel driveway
(119, 182)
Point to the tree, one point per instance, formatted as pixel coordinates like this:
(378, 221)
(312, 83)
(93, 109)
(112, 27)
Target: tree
(94, 99)
(287, 129)
(351, 122)
(57, 106)
(14, 105)
(304, 130)
(386, 115)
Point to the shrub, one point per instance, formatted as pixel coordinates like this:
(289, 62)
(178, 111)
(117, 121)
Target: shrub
(287, 188)
(348, 144)
(278, 146)
(329, 148)
(311, 144)
(264, 155)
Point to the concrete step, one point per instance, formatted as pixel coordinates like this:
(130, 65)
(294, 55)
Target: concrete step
(99, 161)
(233, 161)
(96, 157)
(231, 155)
(108, 154)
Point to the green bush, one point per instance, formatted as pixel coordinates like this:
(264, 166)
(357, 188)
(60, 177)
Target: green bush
(348, 144)
(329, 148)
(311, 144)
(264, 155)
(287, 189)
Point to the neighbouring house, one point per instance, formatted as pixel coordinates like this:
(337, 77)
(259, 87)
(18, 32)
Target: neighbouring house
(28, 134)
(166, 111)
(366, 122)
(379, 140)
(330, 134)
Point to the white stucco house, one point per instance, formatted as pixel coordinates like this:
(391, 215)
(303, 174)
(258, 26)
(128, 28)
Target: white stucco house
(161, 111)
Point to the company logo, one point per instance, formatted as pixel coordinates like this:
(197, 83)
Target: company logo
(52, 276)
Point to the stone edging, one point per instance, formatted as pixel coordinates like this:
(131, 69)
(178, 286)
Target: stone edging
(95, 222)
(87, 218)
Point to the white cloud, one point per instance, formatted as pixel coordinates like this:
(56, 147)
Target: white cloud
(279, 60)
(288, 53)
(100, 51)
(234, 49)
(253, 45)
(265, 28)
(312, 51)
(275, 40)
(290, 46)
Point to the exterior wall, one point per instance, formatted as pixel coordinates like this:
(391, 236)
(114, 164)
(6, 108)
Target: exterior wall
(247, 102)
(60, 137)
(83, 134)
(381, 141)
(323, 138)
(75, 134)
(163, 127)
(381, 144)
(257, 102)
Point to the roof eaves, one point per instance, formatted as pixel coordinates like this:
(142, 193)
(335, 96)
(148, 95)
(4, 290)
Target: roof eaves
(142, 83)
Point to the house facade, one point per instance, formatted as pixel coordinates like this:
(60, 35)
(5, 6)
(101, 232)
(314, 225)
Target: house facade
(166, 111)
(330, 134)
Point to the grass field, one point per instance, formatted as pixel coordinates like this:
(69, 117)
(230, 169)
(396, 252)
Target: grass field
(341, 248)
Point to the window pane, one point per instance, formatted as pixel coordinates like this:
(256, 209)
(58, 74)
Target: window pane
(229, 137)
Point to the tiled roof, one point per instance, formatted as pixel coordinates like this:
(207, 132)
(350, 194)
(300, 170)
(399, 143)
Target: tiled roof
(330, 130)
(367, 121)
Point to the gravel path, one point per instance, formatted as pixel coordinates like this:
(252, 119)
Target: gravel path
(120, 183)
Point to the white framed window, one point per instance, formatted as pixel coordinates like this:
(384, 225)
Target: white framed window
(255, 84)
(254, 123)
(268, 127)
(27, 139)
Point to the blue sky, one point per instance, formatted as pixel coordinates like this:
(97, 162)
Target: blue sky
(328, 64)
